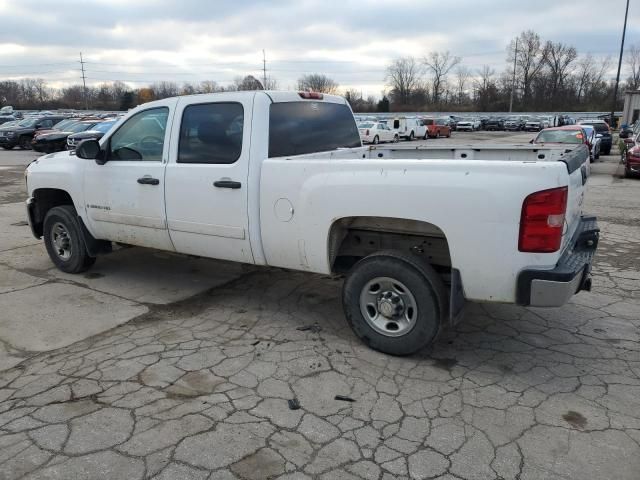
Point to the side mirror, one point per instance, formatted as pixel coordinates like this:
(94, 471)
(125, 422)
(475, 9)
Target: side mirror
(89, 150)
(531, 141)
(38, 125)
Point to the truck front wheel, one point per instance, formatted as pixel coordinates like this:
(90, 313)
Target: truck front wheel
(63, 240)
(394, 302)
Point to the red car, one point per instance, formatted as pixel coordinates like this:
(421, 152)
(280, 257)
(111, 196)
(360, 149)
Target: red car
(436, 127)
(632, 162)
(570, 134)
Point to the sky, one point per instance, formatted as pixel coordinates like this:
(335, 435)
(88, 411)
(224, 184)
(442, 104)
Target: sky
(144, 41)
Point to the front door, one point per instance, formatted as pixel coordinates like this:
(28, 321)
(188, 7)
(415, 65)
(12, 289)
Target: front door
(125, 196)
(206, 179)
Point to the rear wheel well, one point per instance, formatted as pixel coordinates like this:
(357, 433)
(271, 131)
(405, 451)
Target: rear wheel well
(353, 238)
(45, 200)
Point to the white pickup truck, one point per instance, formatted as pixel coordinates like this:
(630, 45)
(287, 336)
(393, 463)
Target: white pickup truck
(281, 179)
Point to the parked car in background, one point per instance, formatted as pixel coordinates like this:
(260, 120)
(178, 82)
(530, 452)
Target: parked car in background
(94, 133)
(468, 124)
(535, 124)
(22, 133)
(603, 129)
(6, 118)
(494, 124)
(632, 162)
(568, 135)
(56, 140)
(594, 140)
(625, 131)
(514, 123)
(408, 128)
(376, 132)
(436, 127)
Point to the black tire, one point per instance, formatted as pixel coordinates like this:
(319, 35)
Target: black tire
(607, 151)
(7, 147)
(376, 140)
(422, 282)
(77, 259)
(396, 138)
(24, 142)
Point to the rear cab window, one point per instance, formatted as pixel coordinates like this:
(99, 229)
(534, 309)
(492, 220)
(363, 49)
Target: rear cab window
(298, 128)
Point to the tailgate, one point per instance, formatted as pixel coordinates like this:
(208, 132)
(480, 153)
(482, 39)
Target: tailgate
(577, 162)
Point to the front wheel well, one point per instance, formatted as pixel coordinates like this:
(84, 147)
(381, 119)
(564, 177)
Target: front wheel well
(44, 200)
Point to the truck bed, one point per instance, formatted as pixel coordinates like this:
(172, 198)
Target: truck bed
(495, 152)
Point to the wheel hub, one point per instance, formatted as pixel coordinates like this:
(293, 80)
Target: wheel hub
(61, 241)
(390, 304)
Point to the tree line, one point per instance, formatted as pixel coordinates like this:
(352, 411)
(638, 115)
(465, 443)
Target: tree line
(538, 76)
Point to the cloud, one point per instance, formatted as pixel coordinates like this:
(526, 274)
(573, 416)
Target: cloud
(140, 41)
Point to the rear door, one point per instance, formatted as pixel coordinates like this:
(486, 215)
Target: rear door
(206, 178)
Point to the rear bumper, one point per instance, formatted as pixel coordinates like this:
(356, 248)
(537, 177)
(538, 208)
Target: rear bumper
(554, 288)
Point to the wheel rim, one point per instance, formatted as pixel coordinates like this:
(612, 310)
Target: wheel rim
(388, 306)
(61, 241)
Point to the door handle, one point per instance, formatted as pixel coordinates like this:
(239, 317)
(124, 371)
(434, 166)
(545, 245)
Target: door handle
(148, 181)
(227, 184)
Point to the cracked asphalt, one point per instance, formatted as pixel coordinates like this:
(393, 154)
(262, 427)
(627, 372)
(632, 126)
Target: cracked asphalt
(193, 382)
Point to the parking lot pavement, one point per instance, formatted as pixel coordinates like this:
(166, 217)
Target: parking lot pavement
(196, 383)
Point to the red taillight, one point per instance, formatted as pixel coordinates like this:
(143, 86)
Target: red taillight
(542, 221)
(311, 95)
(367, 133)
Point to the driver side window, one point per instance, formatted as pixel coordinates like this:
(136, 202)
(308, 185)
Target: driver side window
(141, 137)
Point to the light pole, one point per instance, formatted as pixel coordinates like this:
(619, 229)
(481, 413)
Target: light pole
(615, 90)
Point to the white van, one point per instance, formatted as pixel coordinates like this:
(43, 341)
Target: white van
(408, 128)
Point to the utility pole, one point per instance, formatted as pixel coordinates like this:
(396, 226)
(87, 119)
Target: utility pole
(513, 80)
(84, 84)
(264, 70)
(615, 90)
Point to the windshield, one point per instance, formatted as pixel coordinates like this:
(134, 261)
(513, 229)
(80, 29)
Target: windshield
(560, 136)
(103, 127)
(79, 127)
(365, 125)
(296, 128)
(29, 122)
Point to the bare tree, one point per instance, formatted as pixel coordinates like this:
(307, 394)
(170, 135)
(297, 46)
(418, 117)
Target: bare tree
(317, 82)
(559, 59)
(248, 82)
(530, 60)
(403, 76)
(586, 70)
(439, 64)
(463, 74)
(208, 86)
(632, 60)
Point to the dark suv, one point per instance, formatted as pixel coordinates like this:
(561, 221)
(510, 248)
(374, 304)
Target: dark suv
(494, 123)
(22, 133)
(602, 128)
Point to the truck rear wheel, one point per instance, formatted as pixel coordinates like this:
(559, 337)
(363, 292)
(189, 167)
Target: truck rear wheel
(394, 302)
(64, 242)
